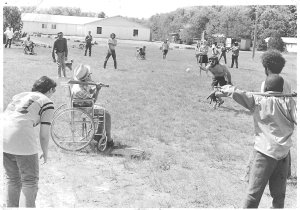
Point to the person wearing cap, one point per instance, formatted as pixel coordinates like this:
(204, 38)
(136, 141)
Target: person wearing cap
(165, 48)
(235, 55)
(88, 44)
(83, 73)
(221, 75)
(24, 114)
(60, 48)
(112, 43)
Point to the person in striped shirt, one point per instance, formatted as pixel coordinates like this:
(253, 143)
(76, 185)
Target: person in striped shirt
(25, 112)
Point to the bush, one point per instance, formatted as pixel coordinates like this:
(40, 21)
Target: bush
(276, 43)
(262, 45)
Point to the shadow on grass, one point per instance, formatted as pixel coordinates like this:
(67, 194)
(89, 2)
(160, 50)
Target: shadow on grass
(237, 112)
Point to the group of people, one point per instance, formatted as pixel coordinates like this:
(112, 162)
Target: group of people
(28, 110)
(202, 50)
(60, 51)
(274, 121)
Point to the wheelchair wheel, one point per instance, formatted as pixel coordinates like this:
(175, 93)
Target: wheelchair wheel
(59, 109)
(72, 129)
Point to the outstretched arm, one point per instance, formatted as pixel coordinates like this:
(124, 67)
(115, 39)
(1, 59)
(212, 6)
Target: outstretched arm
(241, 97)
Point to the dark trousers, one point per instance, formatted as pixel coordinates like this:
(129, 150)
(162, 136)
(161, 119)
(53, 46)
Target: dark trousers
(88, 47)
(8, 42)
(224, 56)
(113, 54)
(234, 59)
(265, 169)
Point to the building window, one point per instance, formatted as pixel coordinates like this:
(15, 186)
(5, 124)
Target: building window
(53, 26)
(135, 32)
(99, 30)
(44, 25)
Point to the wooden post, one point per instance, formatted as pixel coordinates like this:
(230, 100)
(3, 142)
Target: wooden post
(255, 34)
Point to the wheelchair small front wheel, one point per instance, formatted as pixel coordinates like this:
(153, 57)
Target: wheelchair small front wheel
(72, 129)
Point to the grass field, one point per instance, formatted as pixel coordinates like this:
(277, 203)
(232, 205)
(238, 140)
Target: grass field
(195, 154)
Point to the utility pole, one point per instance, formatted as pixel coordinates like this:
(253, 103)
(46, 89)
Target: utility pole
(255, 34)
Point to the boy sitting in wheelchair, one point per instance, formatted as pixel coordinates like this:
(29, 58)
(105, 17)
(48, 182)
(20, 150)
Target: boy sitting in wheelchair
(81, 91)
(142, 52)
(28, 46)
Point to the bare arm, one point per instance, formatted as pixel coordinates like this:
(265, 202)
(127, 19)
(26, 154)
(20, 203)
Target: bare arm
(44, 140)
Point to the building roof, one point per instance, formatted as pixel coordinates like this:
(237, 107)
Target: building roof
(46, 18)
(287, 40)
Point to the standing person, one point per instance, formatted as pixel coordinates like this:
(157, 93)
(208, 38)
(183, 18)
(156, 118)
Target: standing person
(221, 75)
(9, 34)
(112, 43)
(165, 48)
(197, 50)
(214, 49)
(273, 62)
(60, 47)
(88, 44)
(274, 120)
(223, 53)
(26, 111)
(203, 50)
(235, 54)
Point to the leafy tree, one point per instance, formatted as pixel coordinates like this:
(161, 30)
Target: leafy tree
(28, 9)
(101, 15)
(12, 17)
(276, 42)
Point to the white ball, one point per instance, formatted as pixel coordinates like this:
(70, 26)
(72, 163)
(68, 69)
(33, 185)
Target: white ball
(188, 69)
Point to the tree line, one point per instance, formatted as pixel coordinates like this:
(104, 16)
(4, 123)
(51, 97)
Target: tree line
(190, 23)
(233, 21)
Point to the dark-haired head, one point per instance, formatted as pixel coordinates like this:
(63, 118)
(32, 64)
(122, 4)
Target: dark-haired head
(113, 35)
(273, 62)
(43, 85)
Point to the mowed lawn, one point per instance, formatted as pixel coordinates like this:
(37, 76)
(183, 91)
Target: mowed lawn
(195, 155)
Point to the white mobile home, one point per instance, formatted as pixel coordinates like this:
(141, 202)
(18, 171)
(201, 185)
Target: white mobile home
(79, 26)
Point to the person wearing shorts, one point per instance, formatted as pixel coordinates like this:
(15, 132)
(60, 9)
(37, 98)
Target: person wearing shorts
(112, 43)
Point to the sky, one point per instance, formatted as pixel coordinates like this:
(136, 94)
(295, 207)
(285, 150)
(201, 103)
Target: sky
(134, 8)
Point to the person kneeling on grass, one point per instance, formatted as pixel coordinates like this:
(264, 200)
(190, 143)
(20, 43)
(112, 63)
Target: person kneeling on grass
(274, 120)
(83, 73)
(220, 74)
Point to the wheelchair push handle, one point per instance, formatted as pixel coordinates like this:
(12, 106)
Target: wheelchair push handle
(87, 83)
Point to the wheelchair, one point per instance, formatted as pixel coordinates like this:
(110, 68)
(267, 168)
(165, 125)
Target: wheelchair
(74, 126)
(138, 55)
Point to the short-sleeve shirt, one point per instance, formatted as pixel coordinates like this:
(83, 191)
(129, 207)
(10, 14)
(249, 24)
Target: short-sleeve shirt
(112, 43)
(203, 49)
(165, 46)
(22, 115)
